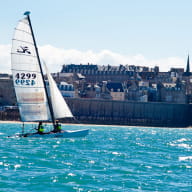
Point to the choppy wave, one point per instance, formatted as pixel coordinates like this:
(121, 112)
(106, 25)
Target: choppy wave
(108, 159)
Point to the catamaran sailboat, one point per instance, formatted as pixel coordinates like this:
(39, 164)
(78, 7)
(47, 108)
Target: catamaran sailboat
(34, 102)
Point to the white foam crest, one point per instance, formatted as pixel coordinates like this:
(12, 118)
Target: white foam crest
(17, 166)
(71, 174)
(182, 139)
(116, 153)
(185, 158)
(182, 145)
(92, 162)
(187, 146)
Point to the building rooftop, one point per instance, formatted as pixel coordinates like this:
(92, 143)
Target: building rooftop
(116, 87)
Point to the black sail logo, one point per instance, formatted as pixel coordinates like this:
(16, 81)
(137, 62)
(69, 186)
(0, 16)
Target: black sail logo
(23, 49)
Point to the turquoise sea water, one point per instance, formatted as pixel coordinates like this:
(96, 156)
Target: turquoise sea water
(110, 158)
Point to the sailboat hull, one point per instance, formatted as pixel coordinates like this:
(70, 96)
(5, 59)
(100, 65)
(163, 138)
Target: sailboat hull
(64, 134)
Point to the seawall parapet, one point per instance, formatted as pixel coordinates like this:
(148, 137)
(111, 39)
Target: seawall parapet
(131, 113)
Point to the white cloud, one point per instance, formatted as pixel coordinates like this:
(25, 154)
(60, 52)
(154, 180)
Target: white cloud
(56, 57)
(5, 58)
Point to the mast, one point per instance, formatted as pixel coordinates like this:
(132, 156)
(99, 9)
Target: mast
(27, 13)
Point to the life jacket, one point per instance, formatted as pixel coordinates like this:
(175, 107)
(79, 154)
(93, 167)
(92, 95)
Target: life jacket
(41, 129)
(59, 127)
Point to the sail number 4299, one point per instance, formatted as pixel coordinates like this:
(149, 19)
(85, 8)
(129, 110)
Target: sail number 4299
(25, 79)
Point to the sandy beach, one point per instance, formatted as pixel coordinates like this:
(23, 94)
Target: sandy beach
(92, 125)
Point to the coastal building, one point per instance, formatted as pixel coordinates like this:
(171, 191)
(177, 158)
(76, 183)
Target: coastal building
(172, 94)
(67, 90)
(132, 91)
(65, 77)
(98, 73)
(116, 91)
(123, 82)
(7, 94)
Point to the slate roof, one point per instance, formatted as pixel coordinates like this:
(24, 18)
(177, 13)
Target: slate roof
(115, 86)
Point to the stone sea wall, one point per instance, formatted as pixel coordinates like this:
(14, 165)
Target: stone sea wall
(131, 113)
(92, 111)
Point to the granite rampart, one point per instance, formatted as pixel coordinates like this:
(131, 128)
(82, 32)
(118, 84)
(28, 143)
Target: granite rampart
(95, 111)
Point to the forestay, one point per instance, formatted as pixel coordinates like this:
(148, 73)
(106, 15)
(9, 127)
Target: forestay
(27, 78)
(60, 107)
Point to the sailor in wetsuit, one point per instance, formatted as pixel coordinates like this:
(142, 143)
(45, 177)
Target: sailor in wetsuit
(57, 128)
(40, 129)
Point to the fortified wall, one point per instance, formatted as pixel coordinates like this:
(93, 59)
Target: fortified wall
(131, 113)
(108, 112)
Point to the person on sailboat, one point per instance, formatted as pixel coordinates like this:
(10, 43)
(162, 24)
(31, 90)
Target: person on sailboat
(57, 128)
(40, 129)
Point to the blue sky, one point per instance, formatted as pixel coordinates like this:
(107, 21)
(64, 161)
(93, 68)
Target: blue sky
(142, 32)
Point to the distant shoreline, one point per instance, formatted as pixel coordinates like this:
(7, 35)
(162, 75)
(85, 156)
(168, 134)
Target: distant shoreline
(1, 121)
(126, 126)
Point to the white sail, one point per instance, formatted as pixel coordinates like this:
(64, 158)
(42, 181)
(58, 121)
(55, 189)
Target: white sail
(27, 78)
(60, 107)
